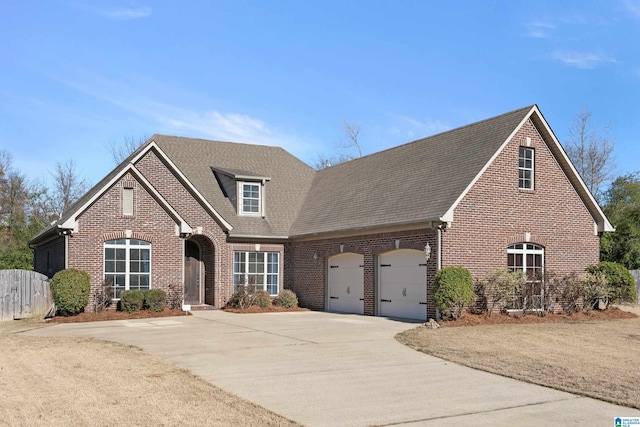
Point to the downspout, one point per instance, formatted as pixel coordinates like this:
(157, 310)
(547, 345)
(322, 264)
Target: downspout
(66, 250)
(439, 249)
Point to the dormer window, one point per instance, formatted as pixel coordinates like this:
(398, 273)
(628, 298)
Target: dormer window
(251, 200)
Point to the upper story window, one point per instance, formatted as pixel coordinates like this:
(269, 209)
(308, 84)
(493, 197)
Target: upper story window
(251, 201)
(525, 168)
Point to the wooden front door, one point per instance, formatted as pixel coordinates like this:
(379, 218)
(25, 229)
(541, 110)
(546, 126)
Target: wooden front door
(192, 273)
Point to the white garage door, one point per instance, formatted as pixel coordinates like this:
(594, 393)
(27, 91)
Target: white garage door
(346, 283)
(402, 284)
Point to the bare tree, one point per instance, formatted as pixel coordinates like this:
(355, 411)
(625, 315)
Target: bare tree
(591, 153)
(352, 132)
(120, 152)
(68, 186)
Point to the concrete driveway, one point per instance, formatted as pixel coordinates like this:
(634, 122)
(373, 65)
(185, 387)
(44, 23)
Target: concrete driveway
(324, 369)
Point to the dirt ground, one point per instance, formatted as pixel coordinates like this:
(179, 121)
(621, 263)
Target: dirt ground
(594, 355)
(73, 381)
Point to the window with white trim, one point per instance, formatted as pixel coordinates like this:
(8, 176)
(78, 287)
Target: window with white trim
(127, 201)
(259, 269)
(525, 168)
(528, 259)
(250, 203)
(127, 265)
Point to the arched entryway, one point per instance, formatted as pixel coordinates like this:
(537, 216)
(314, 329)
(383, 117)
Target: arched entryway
(193, 289)
(199, 263)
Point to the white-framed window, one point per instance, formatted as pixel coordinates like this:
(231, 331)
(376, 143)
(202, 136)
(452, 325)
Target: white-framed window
(127, 201)
(251, 200)
(127, 265)
(528, 259)
(259, 269)
(525, 168)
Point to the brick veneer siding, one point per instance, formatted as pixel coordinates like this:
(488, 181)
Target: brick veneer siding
(307, 277)
(49, 257)
(219, 254)
(495, 213)
(104, 221)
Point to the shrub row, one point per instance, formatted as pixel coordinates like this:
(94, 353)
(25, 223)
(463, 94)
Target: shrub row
(152, 299)
(246, 296)
(598, 286)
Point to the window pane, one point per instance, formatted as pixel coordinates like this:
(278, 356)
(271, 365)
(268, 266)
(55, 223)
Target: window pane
(121, 266)
(109, 267)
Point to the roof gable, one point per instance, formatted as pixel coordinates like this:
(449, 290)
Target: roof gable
(409, 184)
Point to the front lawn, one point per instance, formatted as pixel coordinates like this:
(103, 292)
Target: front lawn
(595, 358)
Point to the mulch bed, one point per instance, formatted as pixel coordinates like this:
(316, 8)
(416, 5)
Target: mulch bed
(469, 319)
(147, 314)
(256, 309)
(118, 315)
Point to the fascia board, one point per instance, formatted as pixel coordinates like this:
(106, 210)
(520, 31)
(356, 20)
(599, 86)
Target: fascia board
(603, 222)
(448, 216)
(153, 145)
(71, 223)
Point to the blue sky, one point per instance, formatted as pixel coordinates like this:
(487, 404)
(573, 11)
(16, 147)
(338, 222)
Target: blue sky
(77, 75)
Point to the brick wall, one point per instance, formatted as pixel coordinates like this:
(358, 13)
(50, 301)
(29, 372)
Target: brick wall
(307, 277)
(495, 214)
(104, 221)
(49, 257)
(218, 257)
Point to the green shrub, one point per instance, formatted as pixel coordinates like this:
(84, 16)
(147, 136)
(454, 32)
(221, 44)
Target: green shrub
(622, 287)
(287, 299)
(262, 299)
(70, 289)
(453, 290)
(154, 299)
(498, 287)
(131, 301)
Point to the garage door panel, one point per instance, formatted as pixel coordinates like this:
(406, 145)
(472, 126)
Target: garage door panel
(346, 283)
(402, 284)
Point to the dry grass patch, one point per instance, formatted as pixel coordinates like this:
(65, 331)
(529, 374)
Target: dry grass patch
(73, 381)
(592, 358)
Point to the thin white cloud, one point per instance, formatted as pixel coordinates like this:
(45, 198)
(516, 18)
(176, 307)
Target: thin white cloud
(538, 30)
(411, 127)
(583, 60)
(127, 13)
(632, 7)
(217, 125)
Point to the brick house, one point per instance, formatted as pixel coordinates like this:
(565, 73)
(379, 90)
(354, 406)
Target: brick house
(366, 236)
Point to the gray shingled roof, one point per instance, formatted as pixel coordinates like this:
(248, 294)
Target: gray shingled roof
(409, 184)
(415, 182)
(285, 191)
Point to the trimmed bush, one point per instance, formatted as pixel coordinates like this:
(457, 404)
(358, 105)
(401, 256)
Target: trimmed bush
(131, 301)
(453, 290)
(622, 287)
(262, 299)
(70, 289)
(287, 299)
(154, 299)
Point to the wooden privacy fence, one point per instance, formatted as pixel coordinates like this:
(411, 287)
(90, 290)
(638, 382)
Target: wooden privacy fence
(23, 294)
(636, 278)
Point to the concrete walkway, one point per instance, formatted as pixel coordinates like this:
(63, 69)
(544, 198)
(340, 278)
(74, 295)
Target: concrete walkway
(324, 369)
